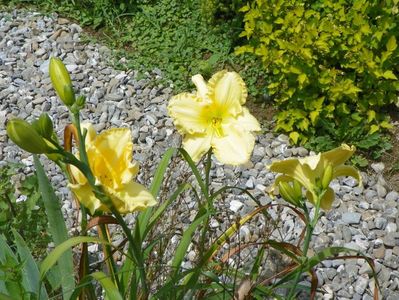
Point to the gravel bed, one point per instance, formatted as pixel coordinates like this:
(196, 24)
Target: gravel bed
(363, 218)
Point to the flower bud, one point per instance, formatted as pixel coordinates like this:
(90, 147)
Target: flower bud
(287, 192)
(81, 101)
(43, 126)
(297, 188)
(327, 176)
(26, 137)
(61, 81)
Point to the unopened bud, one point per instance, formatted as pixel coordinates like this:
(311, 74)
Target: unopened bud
(43, 126)
(327, 176)
(61, 81)
(297, 188)
(26, 137)
(81, 101)
(287, 192)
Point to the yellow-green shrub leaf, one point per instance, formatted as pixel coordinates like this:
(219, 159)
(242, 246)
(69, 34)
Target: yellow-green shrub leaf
(386, 125)
(313, 116)
(389, 75)
(373, 128)
(370, 116)
(294, 137)
(391, 45)
(302, 78)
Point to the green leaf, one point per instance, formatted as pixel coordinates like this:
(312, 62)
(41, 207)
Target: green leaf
(111, 291)
(185, 242)
(389, 75)
(58, 252)
(391, 45)
(57, 228)
(31, 270)
(156, 184)
(294, 136)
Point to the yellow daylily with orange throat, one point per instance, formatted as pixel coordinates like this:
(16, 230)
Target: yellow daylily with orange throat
(315, 172)
(215, 117)
(110, 159)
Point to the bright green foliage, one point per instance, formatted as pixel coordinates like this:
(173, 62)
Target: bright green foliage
(326, 60)
(27, 217)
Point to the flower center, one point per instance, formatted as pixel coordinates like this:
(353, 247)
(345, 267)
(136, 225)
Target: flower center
(217, 126)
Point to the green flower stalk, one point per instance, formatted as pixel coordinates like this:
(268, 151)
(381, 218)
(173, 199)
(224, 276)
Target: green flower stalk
(61, 81)
(25, 136)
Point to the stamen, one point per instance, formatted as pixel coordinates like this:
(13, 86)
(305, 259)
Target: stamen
(216, 124)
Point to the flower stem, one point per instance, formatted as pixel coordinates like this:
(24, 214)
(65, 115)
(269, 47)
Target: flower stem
(310, 225)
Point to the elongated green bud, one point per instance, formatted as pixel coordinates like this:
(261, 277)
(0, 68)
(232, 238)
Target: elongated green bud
(327, 176)
(43, 126)
(287, 192)
(26, 137)
(81, 101)
(61, 81)
(297, 188)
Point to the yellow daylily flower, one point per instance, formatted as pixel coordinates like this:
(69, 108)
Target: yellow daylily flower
(214, 117)
(315, 172)
(110, 159)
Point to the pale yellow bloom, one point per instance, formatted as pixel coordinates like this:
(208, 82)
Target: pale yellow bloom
(314, 172)
(110, 159)
(214, 117)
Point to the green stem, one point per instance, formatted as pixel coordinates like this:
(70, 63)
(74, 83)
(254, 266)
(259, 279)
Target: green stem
(208, 199)
(310, 225)
(208, 165)
(109, 259)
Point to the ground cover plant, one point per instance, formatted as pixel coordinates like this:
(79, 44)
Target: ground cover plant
(99, 168)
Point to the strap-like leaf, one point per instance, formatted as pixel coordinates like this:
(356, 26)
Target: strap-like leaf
(30, 267)
(56, 254)
(57, 228)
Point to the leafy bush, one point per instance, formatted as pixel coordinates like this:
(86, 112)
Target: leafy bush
(326, 60)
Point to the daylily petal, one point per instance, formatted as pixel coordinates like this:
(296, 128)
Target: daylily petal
(339, 155)
(228, 90)
(247, 121)
(131, 197)
(91, 132)
(85, 195)
(187, 113)
(77, 175)
(202, 88)
(234, 147)
(343, 170)
(326, 201)
(312, 161)
(197, 145)
(294, 169)
(114, 155)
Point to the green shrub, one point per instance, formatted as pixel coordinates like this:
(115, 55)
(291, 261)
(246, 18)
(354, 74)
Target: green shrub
(335, 61)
